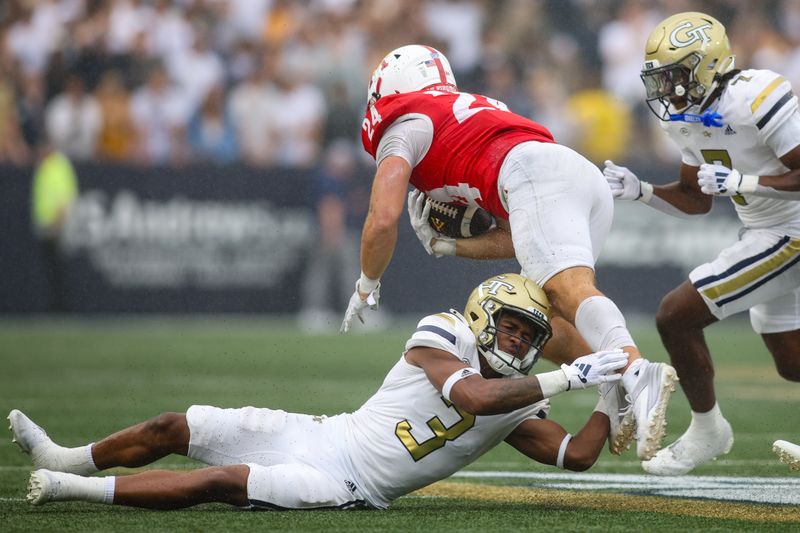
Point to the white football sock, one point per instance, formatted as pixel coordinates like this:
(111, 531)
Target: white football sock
(57, 458)
(601, 324)
(708, 422)
(71, 487)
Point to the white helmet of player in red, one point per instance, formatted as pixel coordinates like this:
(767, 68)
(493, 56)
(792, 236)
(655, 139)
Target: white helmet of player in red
(411, 68)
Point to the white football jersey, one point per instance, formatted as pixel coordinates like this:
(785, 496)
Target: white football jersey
(407, 435)
(754, 106)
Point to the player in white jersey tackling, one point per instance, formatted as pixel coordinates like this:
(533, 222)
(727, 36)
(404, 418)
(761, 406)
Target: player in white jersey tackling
(739, 136)
(459, 389)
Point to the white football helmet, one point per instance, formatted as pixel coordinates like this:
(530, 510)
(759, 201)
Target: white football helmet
(508, 293)
(410, 68)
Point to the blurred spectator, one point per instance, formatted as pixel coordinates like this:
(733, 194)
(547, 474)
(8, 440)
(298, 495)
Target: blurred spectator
(196, 70)
(299, 115)
(502, 83)
(12, 145)
(30, 108)
(169, 31)
(128, 19)
(251, 106)
(117, 135)
(459, 24)
(159, 114)
(342, 193)
(602, 126)
(73, 121)
(33, 36)
(55, 189)
(343, 119)
(212, 136)
(621, 44)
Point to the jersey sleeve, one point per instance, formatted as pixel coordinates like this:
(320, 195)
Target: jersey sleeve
(771, 102)
(786, 137)
(410, 137)
(443, 331)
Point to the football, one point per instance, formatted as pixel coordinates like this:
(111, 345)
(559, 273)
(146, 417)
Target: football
(459, 221)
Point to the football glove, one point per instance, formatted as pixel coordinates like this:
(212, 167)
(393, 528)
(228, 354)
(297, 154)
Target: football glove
(356, 306)
(434, 242)
(718, 180)
(596, 368)
(623, 183)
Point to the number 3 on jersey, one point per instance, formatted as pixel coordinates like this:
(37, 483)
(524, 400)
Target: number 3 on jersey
(442, 434)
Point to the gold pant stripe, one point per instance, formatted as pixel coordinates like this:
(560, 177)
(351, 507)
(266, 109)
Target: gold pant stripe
(787, 253)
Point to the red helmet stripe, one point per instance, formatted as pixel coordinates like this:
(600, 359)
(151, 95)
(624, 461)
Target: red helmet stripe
(438, 62)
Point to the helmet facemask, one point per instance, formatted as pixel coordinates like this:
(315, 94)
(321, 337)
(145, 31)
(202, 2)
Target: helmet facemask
(528, 352)
(672, 82)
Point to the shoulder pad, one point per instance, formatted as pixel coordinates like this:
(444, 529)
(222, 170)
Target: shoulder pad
(761, 98)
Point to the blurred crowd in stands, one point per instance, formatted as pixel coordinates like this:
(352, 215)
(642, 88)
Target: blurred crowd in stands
(277, 82)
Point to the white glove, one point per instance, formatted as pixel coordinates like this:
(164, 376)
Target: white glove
(623, 183)
(718, 180)
(434, 242)
(356, 306)
(596, 368)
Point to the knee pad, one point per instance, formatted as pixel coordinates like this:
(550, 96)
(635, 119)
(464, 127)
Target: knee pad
(601, 324)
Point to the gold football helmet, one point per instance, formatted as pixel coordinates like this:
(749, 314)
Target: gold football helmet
(508, 293)
(685, 57)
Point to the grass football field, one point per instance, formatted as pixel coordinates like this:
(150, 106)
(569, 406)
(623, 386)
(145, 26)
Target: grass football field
(83, 379)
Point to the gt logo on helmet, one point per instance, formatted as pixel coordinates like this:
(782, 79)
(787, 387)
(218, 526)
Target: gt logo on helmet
(495, 285)
(693, 34)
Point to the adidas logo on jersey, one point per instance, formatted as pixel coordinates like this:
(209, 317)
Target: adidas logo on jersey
(351, 486)
(729, 130)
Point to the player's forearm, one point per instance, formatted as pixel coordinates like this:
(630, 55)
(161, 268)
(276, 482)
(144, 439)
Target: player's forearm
(497, 396)
(494, 244)
(783, 187)
(675, 200)
(378, 241)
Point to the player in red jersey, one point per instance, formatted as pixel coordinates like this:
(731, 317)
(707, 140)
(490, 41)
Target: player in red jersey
(553, 210)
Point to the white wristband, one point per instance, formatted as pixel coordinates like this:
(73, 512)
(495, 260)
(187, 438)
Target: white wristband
(444, 246)
(552, 383)
(454, 378)
(647, 192)
(748, 184)
(367, 285)
(562, 451)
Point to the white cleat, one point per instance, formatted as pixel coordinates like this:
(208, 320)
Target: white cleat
(618, 408)
(650, 397)
(28, 436)
(683, 455)
(788, 453)
(43, 487)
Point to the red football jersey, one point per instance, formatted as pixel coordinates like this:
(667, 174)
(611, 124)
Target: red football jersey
(471, 136)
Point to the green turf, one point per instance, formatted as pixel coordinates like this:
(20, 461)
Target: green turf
(84, 379)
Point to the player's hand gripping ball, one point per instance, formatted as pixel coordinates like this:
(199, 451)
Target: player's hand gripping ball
(458, 221)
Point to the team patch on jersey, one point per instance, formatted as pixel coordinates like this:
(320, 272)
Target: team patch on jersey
(750, 273)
